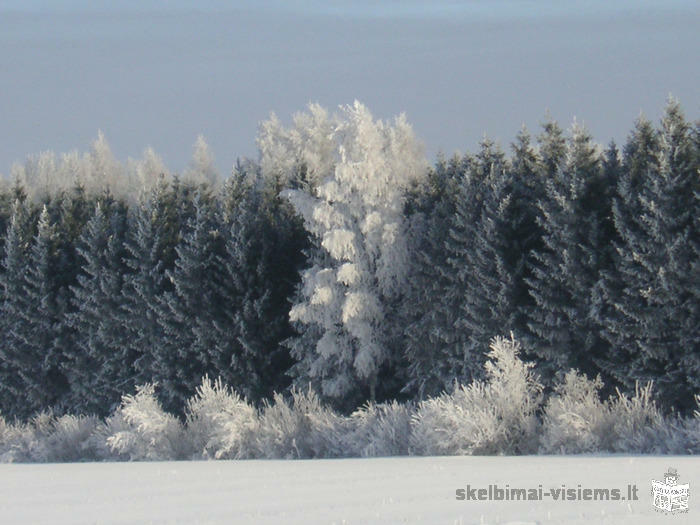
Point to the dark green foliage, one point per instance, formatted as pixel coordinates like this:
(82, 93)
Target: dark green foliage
(573, 217)
(150, 249)
(653, 319)
(494, 290)
(32, 315)
(462, 296)
(187, 313)
(99, 367)
(428, 320)
(12, 278)
(264, 253)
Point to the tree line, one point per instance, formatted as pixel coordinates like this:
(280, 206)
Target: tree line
(340, 259)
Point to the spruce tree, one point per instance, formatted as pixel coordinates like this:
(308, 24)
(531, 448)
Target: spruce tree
(101, 368)
(187, 312)
(465, 356)
(35, 350)
(265, 251)
(528, 190)
(652, 322)
(567, 268)
(494, 289)
(154, 230)
(12, 277)
(426, 316)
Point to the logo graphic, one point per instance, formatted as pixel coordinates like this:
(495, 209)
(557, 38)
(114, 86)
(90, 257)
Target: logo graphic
(668, 495)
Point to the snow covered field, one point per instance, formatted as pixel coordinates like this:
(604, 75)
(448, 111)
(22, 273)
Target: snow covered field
(347, 491)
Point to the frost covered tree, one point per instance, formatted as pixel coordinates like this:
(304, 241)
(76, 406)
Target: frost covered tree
(154, 230)
(453, 356)
(73, 209)
(105, 172)
(495, 294)
(469, 263)
(426, 318)
(261, 266)
(529, 189)
(144, 173)
(202, 169)
(300, 156)
(355, 211)
(6, 203)
(34, 315)
(654, 316)
(9, 195)
(100, 365)
(187, 312)
(14, 268)
(575, 252)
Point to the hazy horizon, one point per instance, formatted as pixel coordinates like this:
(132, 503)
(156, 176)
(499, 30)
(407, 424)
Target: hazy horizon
(149, 74)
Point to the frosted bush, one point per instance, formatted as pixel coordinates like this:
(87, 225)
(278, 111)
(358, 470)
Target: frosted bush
(640, 428)
(71, 439)
(141, 430)
(496, 416)
(575, 419)
(693, 429)
(303, 428)
(25, 442)
(380, 430)
(47, 438)
(220, 424)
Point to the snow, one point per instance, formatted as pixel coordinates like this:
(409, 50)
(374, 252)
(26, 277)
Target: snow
(348, 491)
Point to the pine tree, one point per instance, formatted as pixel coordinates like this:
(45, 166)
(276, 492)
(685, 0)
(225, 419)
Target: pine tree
(464, 353)
(14, 270)
(186, 314)
(529, 189)
(264, 249)
(9, 196)
(154, 228)
(72, 211)
(6, 203)
(652, 321)
(35, 333)
(567, 268)
(425, 314)
(101, 369)
(494, 290)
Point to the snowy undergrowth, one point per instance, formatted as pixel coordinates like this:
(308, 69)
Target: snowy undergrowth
(299, 428)
(496, 416)
(380, 430)
(504, 414)
(46, 438)
(576, 420)
(220, 424)
(140, 430)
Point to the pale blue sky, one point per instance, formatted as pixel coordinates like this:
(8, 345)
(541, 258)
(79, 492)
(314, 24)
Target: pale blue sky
(157, 73)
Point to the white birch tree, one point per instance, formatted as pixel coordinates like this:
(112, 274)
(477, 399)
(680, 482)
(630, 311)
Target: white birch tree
(357, 173)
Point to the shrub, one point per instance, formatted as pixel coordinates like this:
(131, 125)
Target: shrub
(693, 429)
(220, 424)
(71, 439)
(25, 442)
(640, 428)
(303, 428)
(575, 419)
(140, 430)
(497, 416)
(380, 430)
